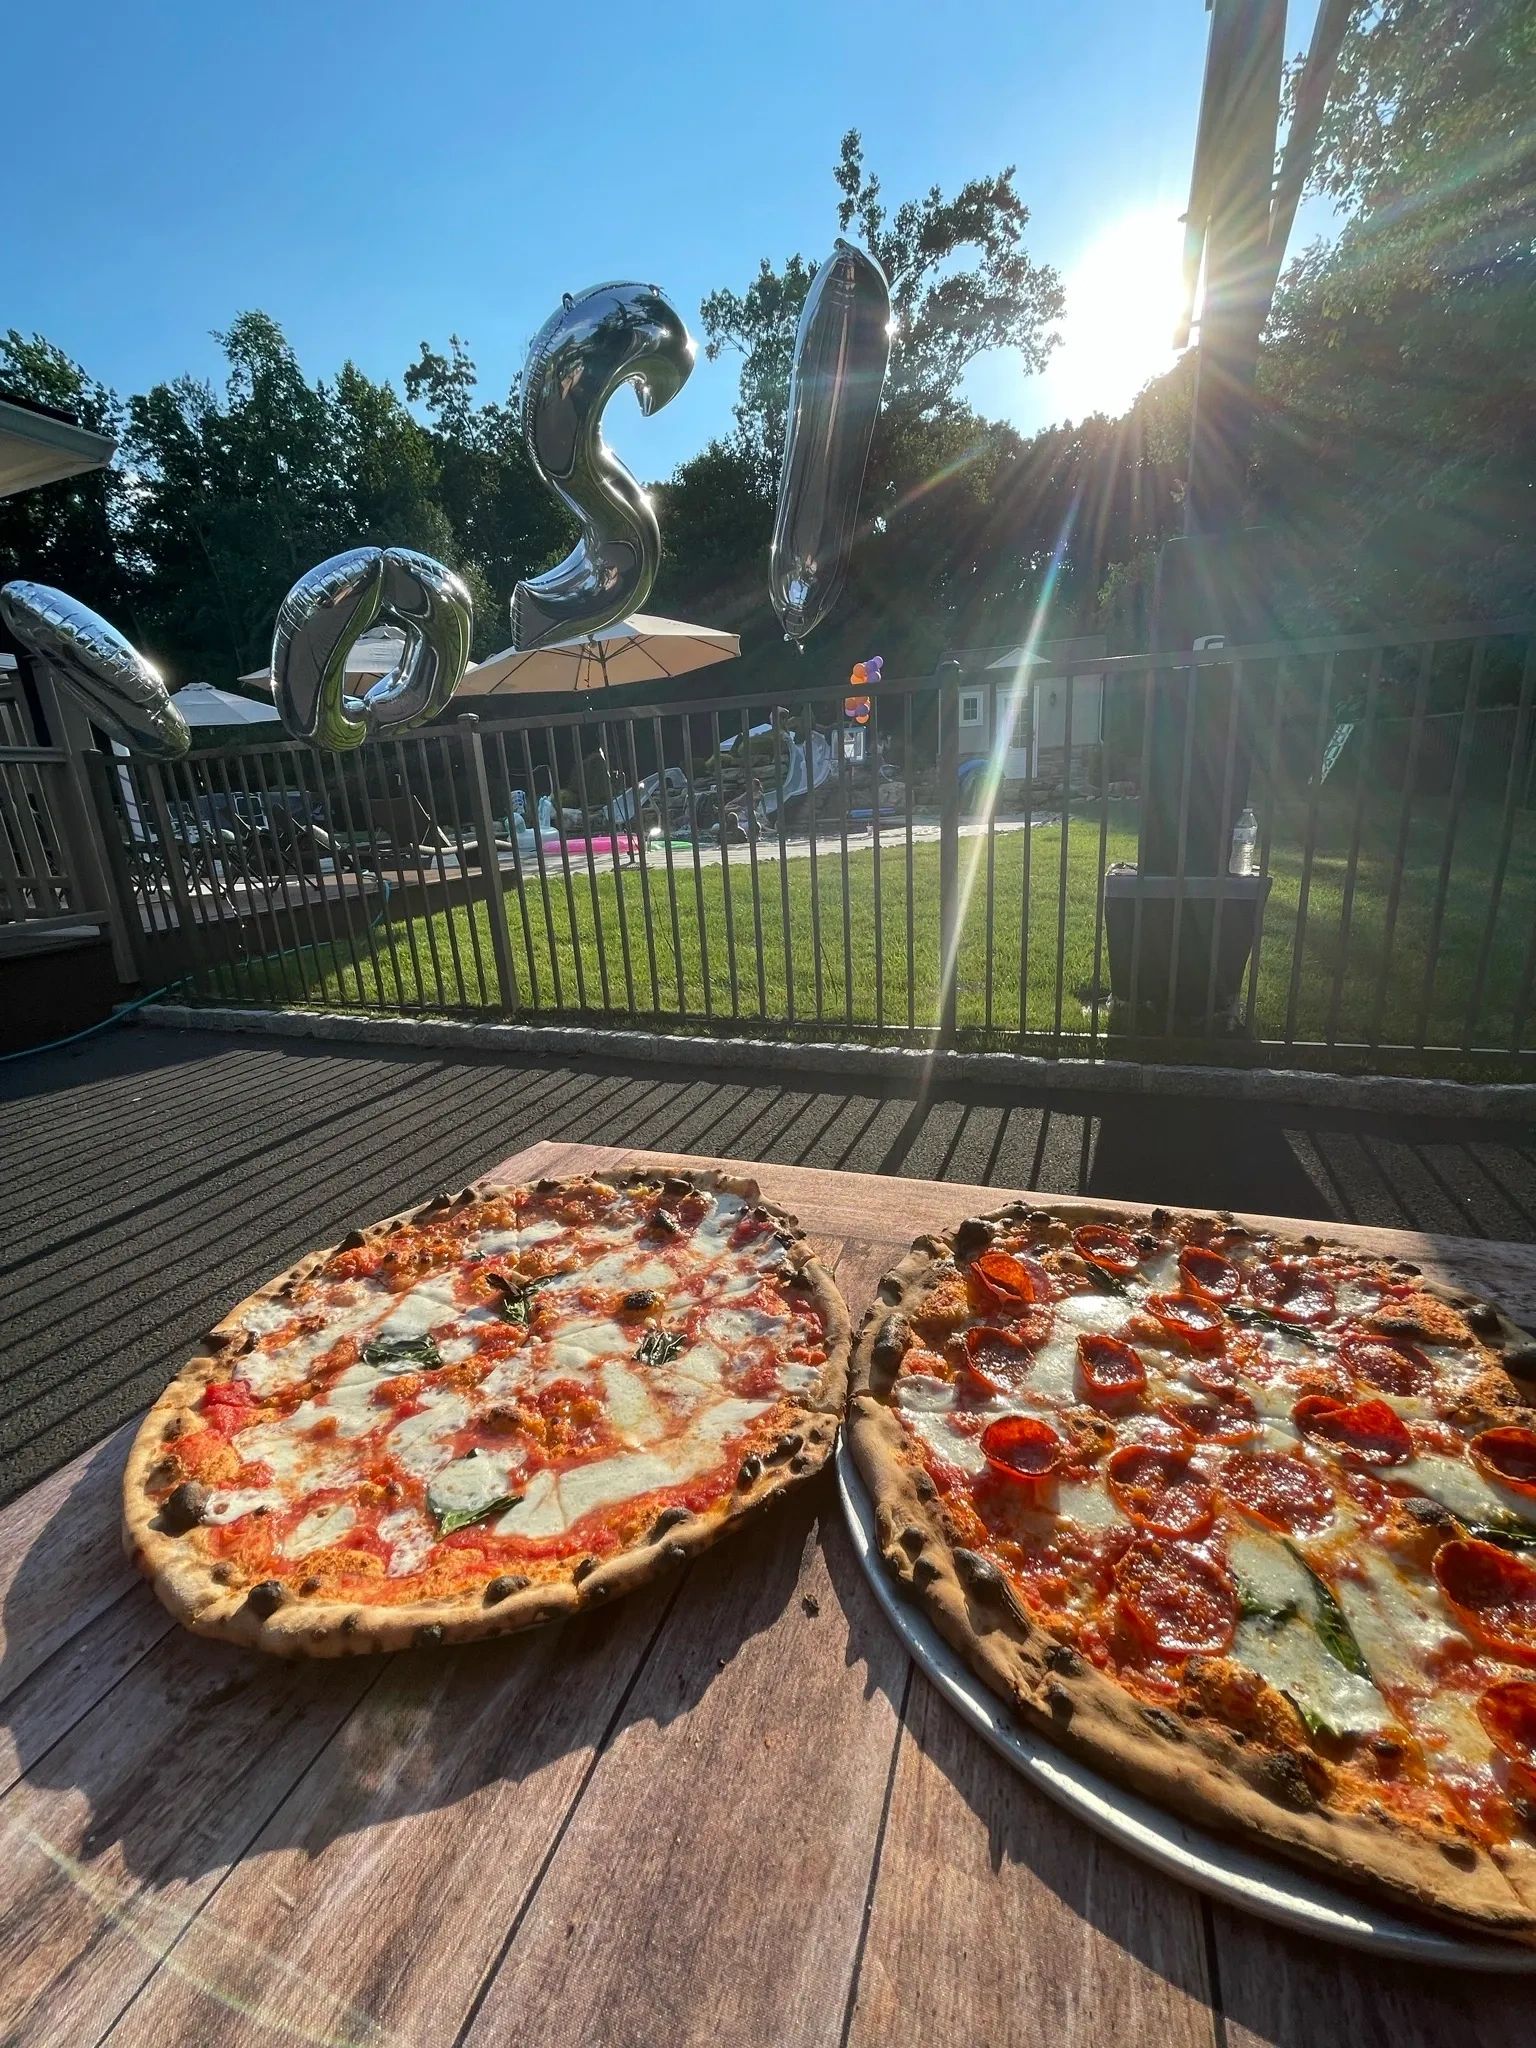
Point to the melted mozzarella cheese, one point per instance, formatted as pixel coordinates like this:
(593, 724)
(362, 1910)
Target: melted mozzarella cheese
(424, 1308)
(1398, 1623)
(703, 1363)
(1290, 1656)
(734, 1328)
(420, 1441)
(580, 1345)
(410, 1536)
(630, 1408)
(469, 1485)
(628, 1269)
(951, 1444)
(496, 1244)
(920, 1390)
(228, 1504)
(1267, 1574)
(1461, 1488)
(263, 1317)
(319, 1527)
(266, 1372)
(1106, 1313)
(1088, 1505)
(799, 1379)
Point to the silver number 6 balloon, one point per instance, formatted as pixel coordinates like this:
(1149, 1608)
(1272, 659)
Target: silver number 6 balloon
(610, 335)
(120, 691)
(331, 606)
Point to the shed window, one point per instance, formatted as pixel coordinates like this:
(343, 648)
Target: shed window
(970, 707)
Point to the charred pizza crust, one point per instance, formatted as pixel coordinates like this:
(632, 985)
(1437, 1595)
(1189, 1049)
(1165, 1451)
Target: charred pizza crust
(1190, 1762)
(189, 1585)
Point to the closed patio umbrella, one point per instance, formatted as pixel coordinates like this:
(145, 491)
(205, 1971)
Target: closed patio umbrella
(640, 649)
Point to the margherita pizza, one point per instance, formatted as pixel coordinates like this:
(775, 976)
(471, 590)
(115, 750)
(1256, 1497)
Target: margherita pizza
(1250, 1523)
(488, 1412)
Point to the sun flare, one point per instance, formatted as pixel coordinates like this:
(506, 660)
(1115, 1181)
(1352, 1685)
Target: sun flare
(1122, 303)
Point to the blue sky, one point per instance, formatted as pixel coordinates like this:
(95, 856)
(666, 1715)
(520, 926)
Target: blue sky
(376, 176)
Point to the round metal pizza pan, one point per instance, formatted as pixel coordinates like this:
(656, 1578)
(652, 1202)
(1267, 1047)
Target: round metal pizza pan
(1242, 1877)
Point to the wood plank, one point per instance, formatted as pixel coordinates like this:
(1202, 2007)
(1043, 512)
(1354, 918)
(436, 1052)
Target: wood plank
(998, 1918)
(61, 1558)
(712, 1883)
(122, 1829)
(422, 1830)
(1281, 1991)
(882, 1206)
(51, 1699)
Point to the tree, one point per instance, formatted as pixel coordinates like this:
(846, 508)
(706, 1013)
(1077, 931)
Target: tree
(63, 534)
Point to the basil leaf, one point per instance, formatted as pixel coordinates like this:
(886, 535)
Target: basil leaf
(460, 1518)
(1506, 1536)
(1255, 1608)
(1105, 1278)
(400, 1354)
(1333, 1631)
(1314, 1722)
(1262, 1318)
(517, 1295)
(657, 1347)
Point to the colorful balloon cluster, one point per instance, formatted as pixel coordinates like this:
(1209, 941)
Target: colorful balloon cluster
(867, 671)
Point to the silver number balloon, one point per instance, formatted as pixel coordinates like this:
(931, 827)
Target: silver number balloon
(120, 691)
(611, 335)
(842, 351)
(331, 606)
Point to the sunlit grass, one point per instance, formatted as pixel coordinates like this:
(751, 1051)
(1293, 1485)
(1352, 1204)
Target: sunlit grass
(787, 946)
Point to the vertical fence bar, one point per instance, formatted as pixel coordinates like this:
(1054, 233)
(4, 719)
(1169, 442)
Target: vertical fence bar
(1148, 698)
(911, 945)
(600, 937)
(520, 879)
(757, 901)
(175, 873)
(345, 896)
(1271, 804)
(1506, 835)
(1182, 850)
(490, 869)
(407, 807)
(1352, 868)
(1027, 857)
(782, 829)
(620, 906)
(949, 853)
(98, 773)
(1098, 886)
(258, 796)
(844, 790)
(636, 807)
(241, 828)
(354, 838)
(429, 922)
(872, 731)
(1064, 878)
(577, 963)
(1404, 823)
(1447, 850)
(664, 799)
(991, 784)
(725, 865)
(386, 909)
(698, 868)
(1228, 767)
(1309, 848)
(817, 970)
(429, 795)
(471, 922)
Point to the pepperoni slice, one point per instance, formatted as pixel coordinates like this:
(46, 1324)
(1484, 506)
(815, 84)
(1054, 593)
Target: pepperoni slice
(1011, 1281)
(1286, 1492)
(1198, 1322)
(1112, 1372)
(1224, 1419)
(1390, 1363)
(1175, 1599)
(1101, 1244)
(1369, 1432)
(1508, 1455)
(1493, 1593)
(1290, 1289)
(1022, 1447)
(997, 1360)
(1160, 1490)
(1508, 1711)
(1209, 1273)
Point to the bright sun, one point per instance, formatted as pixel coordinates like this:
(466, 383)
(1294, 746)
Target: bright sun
(1122, 298)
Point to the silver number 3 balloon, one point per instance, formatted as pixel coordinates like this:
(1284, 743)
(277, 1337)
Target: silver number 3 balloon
(331, 606)
(120, 691)
(611, 335)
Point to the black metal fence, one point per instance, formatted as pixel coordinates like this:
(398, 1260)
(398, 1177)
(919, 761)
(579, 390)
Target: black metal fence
(944, 862)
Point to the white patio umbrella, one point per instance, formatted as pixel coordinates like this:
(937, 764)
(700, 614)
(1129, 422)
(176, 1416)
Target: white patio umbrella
(640, 649)
(370, 656)
(202, 704)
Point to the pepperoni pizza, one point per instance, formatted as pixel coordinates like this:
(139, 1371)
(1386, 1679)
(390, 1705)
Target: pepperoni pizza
(1250, 1523)
(490, 1411)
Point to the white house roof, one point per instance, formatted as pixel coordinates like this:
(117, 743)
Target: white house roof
(38, 447)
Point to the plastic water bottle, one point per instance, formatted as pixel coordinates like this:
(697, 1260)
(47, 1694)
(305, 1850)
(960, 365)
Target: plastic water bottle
(1245, 837)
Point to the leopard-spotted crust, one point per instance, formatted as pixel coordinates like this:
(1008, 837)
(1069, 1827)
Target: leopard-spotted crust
(1224, 1782)
(320, 1627)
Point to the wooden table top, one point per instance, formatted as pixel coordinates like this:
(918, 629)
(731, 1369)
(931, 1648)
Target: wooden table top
(726, 1810)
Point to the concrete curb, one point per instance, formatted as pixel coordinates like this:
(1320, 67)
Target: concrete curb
(1020, 1072)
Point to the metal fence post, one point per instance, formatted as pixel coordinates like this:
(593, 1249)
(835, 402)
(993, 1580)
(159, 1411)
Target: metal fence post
(949, 847)
(490, 862)
(80, 822)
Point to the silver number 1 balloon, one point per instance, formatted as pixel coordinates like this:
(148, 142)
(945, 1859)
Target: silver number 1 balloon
(611, 335)
(842, 351)
(331, 606)
(119, 689)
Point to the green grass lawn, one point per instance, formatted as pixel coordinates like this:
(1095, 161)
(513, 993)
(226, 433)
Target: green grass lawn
(794, 948)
